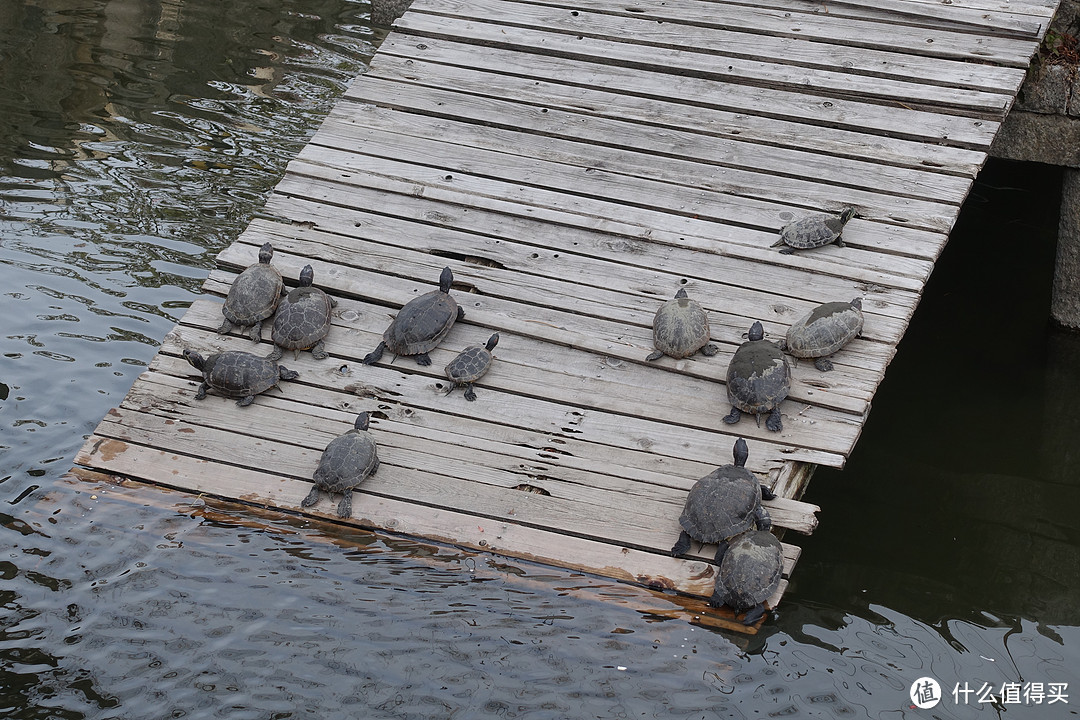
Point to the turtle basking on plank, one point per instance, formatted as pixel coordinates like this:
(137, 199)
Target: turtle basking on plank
(303, 319)
(254, 296)
(723, 504)
(751, 566)
(680, 329)
(237, 374)
(421, 324)
(345, 463)
(814, 231)
(823, 331)
(758, 380)
(470, 365)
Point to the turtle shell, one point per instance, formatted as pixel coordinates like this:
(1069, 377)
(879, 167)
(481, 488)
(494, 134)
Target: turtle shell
(303, 318)
(815, 230)
(235, 373)
(751, 569)
(721, 504)
(825, 329)
(255, 293)
(680, 327)
(347, 460)
(758, 377)
(471, 363)
(422, 323)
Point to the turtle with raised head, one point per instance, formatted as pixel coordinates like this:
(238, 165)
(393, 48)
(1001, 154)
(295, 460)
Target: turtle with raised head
(421, 324)
(254, 296)
(723, 504)
(823, 331)
(470, 365)
(237, 374)
(303, 319)
(680, 329)
(814, 231)
(750, 570)
(758, 380)
(345, 463)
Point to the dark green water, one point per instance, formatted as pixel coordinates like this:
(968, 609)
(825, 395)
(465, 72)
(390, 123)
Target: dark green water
(138, 139)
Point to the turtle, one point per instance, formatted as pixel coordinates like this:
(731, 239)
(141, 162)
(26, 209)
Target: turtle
(750, 570)
(345, 463)
(253, 296)
(814, 231)
(421, 324)
(723, 504)
(823, 331)
(680, 329)
(470, 365)
(758, 379)
(237, 374)
(303, 319)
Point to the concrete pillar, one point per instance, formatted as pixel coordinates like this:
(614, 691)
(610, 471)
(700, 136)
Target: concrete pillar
(1065, 299)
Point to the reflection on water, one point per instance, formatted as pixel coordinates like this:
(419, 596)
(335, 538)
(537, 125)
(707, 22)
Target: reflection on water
(139, 138)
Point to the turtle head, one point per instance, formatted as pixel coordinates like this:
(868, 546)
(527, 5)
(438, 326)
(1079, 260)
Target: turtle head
(362, 421)
(757, 332)
(197, 361)
(857, 303)
(446, 279)
(846, 214)
(740, 452)
(265, 253)
(681, 294)
(492, 342)
(307, 276)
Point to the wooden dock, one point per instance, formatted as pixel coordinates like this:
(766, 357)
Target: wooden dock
(575, 164)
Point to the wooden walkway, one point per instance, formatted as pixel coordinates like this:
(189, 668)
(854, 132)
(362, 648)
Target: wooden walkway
(575, 164)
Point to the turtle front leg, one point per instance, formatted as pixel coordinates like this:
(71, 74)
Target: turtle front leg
(375, 355)
(225, 328)
(201, 392)
(344, 508)
(775, 422)
(423, 359)
(654, 355)
(682, 545)
(245, 401)
(469, 394)
(276, 353)
(823, 364)
(460, 312)
(754, 614)
(718, 598)
(256, 331)
(838, 242)
(318, 351)
(710, 350)
(734, 416)
(762, 518)
(721, 551)
(312, 497)
(767, 493)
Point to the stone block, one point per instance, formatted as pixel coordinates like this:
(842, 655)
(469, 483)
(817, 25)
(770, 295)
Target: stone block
(385, 12)
(1065, 297)
(1034, 137)
(1047, 89)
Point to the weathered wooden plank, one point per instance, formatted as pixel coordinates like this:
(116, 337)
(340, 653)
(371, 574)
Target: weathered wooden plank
(644, 151)
(569, 103)
(903, 263)
(887, 44)
(583, 45)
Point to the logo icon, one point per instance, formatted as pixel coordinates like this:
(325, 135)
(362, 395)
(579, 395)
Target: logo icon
(925, 693)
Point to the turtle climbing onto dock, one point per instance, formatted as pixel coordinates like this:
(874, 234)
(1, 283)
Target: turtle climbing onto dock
(237, 374)
(470, 365)
(254, 296)
(814, 231)
(758, 380)
(723, 504)
(680, 329)
(303, 319)
(751, 566)
(421, 324)
(823, 331)
(345, 463)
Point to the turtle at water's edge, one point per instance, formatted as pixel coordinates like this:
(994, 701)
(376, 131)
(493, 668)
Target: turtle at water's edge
(253, 297)
(680, 329)
(237, 374)
(751, 566)
(470, 365)
(346, 462)
(814, 231)
(758, 380)
(421, 324)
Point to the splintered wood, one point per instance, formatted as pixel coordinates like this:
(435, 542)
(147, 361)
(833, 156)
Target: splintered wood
(575, 164)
